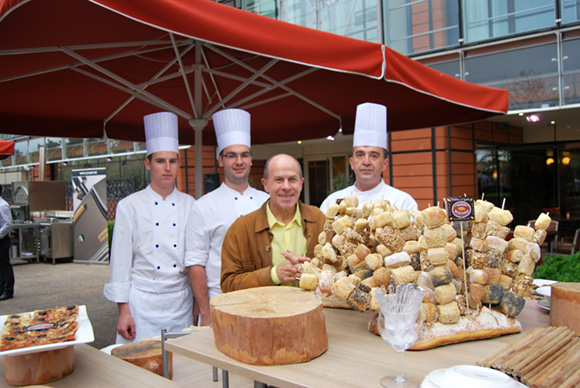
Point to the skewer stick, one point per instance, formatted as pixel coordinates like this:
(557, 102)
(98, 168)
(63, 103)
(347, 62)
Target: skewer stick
(503, 204)
(464, 267)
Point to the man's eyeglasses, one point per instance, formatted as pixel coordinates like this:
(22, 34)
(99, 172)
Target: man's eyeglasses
(233, 155)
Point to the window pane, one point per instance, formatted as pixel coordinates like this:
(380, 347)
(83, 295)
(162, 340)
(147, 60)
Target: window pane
(486, 19)
(569, 159)
(121, 146)
(521, 176)
(419, 26)
(450, 68)
(530, 74)
(298, 12)
(570, 10)
(74, 148)
(33, 145)
(53, 148)
(21, 151)
(571, 71)
(318, 181)
(353, 18)
(261, 7)
(96, 147)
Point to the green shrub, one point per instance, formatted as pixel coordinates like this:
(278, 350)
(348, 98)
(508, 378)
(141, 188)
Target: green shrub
(110, 226)
(560, 268)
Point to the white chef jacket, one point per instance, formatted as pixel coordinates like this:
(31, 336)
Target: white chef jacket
(5, 218)
(147, 262)
(396, 197)
(209, 221)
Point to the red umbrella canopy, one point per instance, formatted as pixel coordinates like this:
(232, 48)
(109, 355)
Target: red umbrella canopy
(6, 148)
(78, 68)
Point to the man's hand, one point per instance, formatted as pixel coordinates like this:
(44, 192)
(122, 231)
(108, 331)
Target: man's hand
(294, 258)
(287, 271)
(125, 325)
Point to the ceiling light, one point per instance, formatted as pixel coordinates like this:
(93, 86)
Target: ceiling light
(566, 160)
(331, 138)
(549, 161)
(552, 122)
(533, 118)
(299, 141)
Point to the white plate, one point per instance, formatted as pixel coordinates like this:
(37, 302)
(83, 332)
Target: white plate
(463, 376)
(544, 291)
(544, 304)
(109, 348)
(84, 335)
(543, 282)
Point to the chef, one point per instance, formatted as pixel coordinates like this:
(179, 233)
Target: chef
(213, 213)
(368, 161)
(148, 278)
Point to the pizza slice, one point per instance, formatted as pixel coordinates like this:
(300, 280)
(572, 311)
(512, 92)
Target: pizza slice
(43, 327)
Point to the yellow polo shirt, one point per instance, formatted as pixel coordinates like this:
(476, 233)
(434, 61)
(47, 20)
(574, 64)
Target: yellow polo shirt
(286, 237)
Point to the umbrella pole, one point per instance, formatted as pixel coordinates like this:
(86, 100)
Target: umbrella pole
(198, 126)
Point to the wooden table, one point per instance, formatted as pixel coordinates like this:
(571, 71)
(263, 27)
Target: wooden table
(96, 369)
(355, 357)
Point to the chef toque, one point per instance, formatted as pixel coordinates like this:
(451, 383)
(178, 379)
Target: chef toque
(161, 132)
(370, 127)
(232, 126)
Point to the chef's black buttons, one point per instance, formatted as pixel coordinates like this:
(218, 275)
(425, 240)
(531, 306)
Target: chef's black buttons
(174, 224)
(157, 224)
(236, 198)
(156, 245)
(173, 204)
(251, 197)
(156, 203)
(158, 267)
(174, 245)
(174, 265)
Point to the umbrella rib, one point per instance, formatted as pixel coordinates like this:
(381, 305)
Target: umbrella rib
(144, 85)
(67, 66)
(248, 81)
(131, 88)
(280, 84)
(49, 49)
(212, 78)
(183, 75)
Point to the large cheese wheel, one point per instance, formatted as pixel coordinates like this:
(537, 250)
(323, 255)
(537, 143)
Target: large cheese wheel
(565, 306)
(145, 354)
(269, 325)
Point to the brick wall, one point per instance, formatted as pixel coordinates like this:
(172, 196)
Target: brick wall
(434, 163)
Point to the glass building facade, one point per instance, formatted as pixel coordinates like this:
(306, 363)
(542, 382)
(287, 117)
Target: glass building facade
(529, 47)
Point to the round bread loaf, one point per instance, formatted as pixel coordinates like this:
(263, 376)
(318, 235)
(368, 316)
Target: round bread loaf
(269, 325)
(145, 354)
(565, 306)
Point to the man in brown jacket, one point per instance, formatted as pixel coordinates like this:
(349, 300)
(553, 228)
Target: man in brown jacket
(266, 247)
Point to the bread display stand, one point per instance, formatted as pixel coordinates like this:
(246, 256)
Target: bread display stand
(269, 325)
(39, 367)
